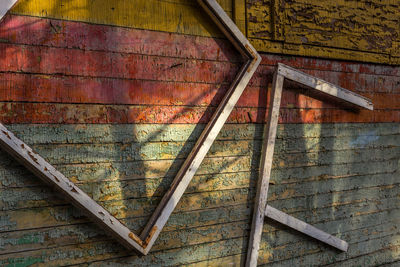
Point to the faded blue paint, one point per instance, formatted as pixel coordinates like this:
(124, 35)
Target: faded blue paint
(364, 140)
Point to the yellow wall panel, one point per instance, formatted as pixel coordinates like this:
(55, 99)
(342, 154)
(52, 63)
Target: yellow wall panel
(340, 29)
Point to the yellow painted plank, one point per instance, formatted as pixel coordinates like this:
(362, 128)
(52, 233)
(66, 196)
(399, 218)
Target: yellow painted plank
(320, 51)
(259, 19)
(177, 16)
(239, 14)
(278, 19)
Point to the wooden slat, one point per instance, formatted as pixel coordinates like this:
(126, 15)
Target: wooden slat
(5, 6)
(239, 15)
(175, 16)
(324, 86)
(265, 171)
(48, 113)
(305, 228)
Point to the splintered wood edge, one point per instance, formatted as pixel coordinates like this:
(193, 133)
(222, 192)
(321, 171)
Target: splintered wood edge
(145, 241)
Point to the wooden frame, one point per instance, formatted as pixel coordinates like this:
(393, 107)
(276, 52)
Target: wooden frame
(261, 208)
(5, 6)
(143, 243)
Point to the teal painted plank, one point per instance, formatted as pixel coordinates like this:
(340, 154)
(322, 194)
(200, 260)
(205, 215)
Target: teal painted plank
(126, 133)
(347, 224)
(90, 153)
(291, 255)
(13, 176)
(102, 251)
(20, 198)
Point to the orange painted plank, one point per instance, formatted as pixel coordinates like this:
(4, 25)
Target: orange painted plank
(74, 113)
(49, 60)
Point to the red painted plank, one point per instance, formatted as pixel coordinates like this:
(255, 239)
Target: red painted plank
(66, 89)
(97, 65)
(71, 62)
(74, 113)
(46, 60)
(69, 34)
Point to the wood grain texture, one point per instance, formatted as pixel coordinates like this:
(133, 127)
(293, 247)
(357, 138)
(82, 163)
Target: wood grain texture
(21, 152)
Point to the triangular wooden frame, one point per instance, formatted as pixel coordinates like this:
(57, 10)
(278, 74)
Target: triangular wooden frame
(261, 208)
(143, 243)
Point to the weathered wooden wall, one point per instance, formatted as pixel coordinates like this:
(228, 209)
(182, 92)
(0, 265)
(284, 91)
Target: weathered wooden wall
(115, 96)
(339, 29)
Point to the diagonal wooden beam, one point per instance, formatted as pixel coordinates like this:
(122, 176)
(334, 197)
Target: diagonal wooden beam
(305, 228)
(145, 241)
(47, 173)
(324, 87)
(265, 171)
(282, 71)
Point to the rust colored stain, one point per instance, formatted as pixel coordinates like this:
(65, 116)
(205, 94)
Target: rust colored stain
(148, 238)
(253, 55)
(31, 155)
(135, 238)
(6, 134)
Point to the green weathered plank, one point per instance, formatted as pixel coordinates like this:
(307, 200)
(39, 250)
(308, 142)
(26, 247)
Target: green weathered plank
(142, 133)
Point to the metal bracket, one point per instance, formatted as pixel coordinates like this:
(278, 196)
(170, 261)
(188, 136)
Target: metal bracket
(261, 208)
(143, 243)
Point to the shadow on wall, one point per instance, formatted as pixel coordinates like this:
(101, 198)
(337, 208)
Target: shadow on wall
(337, 177)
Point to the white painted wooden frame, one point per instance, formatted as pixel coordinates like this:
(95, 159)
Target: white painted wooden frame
(5, 6)
(261, 208)
(143, 243)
